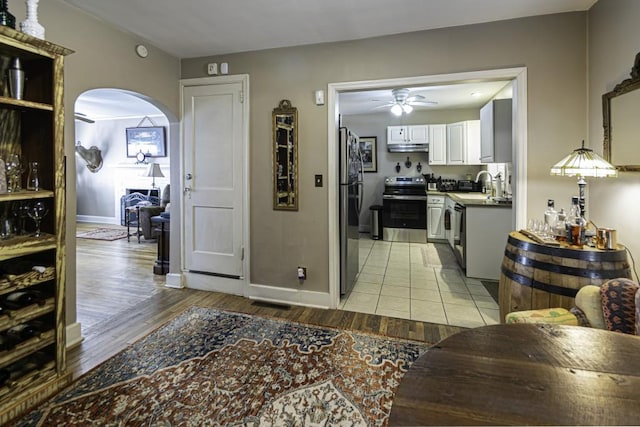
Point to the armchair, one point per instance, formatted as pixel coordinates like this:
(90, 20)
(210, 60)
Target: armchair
(146, 212)
(614, 306)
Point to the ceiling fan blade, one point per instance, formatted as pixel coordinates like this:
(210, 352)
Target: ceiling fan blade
(415, 98)
(83, 117)
(383, 106)
(423, 103)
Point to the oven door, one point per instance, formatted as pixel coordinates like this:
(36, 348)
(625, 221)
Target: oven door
(405, 211)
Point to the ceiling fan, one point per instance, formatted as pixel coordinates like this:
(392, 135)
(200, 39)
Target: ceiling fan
(403, 103)
(83, 117)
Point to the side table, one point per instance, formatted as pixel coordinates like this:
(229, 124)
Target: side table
(162, 228)
(132, 210)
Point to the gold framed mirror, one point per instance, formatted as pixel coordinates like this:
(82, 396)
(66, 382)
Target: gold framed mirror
(285, 156)
(620, 121)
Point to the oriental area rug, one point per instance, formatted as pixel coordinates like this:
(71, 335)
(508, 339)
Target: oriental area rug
(103, 234)
(208, 367)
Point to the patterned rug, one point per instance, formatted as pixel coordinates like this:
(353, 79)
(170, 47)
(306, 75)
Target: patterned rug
(209, 367)
(103, 234)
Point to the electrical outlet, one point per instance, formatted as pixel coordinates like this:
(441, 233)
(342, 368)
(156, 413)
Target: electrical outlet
(212, 69)
(302, 273)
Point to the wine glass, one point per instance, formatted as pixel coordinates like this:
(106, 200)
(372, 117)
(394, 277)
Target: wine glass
(36, 212)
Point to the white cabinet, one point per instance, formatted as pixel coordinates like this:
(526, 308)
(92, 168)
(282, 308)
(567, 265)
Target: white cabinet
(437, 144)
(408, 138)
(463, 143)
(496, 131)
(435, 218)
(418, 134)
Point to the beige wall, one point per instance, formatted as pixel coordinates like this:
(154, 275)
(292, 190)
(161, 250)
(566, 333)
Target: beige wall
(104, 57)
(552, 47)
(613, 45)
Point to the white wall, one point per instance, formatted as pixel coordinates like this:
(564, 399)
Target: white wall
(614, 41)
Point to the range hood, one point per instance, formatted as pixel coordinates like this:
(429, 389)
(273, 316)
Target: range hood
(407, 147)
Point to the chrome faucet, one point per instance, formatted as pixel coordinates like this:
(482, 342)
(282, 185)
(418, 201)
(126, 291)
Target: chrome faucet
(483, 172)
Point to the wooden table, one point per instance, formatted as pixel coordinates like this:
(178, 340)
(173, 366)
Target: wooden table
(535, 275)
(524, 374)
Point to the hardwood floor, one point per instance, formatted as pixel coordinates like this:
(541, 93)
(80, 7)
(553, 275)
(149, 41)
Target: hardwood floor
(120, 300)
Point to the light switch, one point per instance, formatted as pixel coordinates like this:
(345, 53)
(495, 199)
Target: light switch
(318, 180)
(319, 97)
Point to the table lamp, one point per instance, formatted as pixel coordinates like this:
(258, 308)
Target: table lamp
(153, 171)
(583, 162)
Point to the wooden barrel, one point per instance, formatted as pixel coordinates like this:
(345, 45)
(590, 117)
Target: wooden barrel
(536, 276)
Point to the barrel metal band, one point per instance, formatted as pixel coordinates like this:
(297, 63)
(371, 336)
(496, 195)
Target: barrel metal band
(580, 254)
(531, 283)
(571, 271)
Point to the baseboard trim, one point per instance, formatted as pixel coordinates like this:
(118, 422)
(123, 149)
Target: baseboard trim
(174, 280)
(98, 219)
(74, 335)
(279, 295)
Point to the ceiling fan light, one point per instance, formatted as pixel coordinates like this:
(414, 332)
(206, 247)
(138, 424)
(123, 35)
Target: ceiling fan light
(396, 110)
(407, 108)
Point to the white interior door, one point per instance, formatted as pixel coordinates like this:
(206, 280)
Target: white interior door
(213, 178)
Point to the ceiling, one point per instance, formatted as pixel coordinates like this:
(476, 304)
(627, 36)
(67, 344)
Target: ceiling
(193, 28)
(454, 96)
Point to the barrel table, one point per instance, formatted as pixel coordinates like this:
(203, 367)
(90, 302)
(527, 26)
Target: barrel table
(534, 275)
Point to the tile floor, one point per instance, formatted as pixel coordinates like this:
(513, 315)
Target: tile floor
(418, 281)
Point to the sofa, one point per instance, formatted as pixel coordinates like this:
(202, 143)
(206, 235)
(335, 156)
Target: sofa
(613, 306)
(146, 212)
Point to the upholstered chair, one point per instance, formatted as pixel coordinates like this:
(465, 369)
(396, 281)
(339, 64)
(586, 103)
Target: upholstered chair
(146, 212)
(614, 306)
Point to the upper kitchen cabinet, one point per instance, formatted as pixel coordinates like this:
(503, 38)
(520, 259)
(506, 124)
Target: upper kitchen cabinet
(404, 139)
(496, 131)
(437, 144)
(463, 143)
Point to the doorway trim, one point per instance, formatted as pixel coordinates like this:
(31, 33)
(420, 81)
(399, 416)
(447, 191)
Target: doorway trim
(519, 78)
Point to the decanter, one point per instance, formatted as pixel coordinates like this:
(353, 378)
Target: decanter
(31, 25)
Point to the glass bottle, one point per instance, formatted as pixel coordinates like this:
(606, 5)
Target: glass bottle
(559, 230)
(33, 182)
(550, 214)
(576, 224)
(6, 18)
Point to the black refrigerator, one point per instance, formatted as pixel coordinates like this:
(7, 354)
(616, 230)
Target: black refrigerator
(351, 194)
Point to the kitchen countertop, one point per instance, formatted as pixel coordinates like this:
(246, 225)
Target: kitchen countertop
(470, 199)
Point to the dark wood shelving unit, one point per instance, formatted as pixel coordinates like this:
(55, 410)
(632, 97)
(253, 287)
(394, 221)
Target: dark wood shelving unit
(33, 128)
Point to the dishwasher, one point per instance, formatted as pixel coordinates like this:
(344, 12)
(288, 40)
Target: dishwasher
(459, 242)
